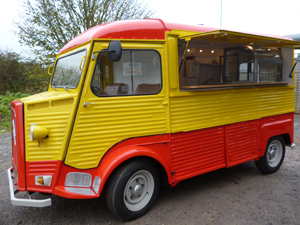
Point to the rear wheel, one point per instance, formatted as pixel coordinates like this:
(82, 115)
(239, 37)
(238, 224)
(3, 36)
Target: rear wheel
(273, 157)
(132, 189)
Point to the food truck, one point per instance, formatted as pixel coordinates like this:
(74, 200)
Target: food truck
(133, 105)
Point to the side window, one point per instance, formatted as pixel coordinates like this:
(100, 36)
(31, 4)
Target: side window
(137, 73)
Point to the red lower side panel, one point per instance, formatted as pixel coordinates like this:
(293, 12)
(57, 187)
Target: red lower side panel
(201, 151)
(197, 152)
(241, 142)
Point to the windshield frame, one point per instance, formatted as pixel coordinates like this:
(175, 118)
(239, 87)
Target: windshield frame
(66, 87)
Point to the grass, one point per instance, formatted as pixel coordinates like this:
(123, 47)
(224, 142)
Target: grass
(5, 113)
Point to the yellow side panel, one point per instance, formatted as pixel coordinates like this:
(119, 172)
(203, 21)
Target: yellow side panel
(197, 110)
(110, 120)
(54, 111)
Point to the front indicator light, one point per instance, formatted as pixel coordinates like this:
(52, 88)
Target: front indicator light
(44, 180)
(37, 132)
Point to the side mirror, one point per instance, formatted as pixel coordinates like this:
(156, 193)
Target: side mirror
(114, 51)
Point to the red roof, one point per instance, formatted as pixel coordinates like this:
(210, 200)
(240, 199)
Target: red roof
(131, 29)
(135, 29)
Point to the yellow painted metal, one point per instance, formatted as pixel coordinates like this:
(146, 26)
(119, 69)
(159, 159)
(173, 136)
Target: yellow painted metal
(231, 37)
(173, 62)
(109, 120)
(55, 110)
(49, 70)
(203, 109)
(37, 132)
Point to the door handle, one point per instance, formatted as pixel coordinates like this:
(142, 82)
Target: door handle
(86, 103)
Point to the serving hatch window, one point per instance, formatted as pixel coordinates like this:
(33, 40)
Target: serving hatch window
(137, 72)
(220, 59)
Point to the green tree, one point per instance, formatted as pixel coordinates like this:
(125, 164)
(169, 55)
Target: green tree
(21, 75)
(47, 25)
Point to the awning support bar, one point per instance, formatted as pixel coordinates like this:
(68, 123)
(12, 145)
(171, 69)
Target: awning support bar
(183, 56)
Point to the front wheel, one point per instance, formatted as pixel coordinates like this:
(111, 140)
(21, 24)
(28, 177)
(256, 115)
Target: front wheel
(273, 157)
(132, 189)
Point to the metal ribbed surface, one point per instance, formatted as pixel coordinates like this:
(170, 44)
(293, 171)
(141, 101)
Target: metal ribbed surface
(111, 120)
(57, 124)
(215, 108)
(241, 142)
(42, 168)
(197, 152)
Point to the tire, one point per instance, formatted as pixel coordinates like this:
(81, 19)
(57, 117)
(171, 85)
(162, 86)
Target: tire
(273, 157)
(133, 189)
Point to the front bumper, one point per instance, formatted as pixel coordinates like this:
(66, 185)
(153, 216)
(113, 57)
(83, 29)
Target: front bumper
(24, 202)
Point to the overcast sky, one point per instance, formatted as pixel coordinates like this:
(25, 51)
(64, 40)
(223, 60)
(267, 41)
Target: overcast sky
(262, 16)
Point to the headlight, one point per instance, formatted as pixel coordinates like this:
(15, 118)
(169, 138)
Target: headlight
(37, 132)
(78, 179)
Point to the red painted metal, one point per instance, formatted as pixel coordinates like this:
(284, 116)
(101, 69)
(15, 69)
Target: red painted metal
(274, 126)
(156, 147)
(38, 168)
(197, 152)
(241, 142)
(131, 29)
(61, 191)
(18, 149)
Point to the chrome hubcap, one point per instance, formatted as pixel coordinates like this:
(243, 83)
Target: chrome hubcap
(138, 189)
(274, 154)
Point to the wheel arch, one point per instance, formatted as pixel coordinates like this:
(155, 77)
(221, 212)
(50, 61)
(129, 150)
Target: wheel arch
(118, 158)
(283, 126)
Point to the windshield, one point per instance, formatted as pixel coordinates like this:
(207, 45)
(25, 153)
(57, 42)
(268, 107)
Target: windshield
(67, 72)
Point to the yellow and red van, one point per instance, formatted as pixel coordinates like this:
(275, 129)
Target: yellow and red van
(135, 104)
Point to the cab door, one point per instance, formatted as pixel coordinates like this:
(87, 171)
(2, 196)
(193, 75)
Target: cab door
(120, 100)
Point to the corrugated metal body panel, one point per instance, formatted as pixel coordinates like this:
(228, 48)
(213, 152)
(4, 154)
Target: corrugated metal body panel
(220, 107)
(55, 112)
(57, 124)
(98, 127)
(197, 152)
(297, 91)
(241, 142)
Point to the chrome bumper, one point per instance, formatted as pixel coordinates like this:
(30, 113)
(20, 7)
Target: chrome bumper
(293, 145)
(24, 202)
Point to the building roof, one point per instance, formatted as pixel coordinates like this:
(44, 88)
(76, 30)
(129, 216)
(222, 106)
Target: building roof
(137, 29)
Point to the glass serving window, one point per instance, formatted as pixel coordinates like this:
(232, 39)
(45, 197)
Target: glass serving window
(239, 65)
(67, 73)
(269, 65)
(137, 72)
(257, 65)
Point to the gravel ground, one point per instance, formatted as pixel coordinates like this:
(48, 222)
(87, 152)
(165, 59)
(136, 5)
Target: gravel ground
(238, 195)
